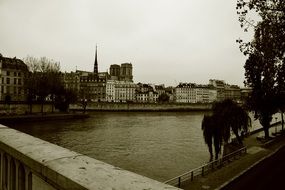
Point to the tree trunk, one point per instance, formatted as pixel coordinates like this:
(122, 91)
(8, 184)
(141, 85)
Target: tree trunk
(217, 146)
(266, 132)
(265, 122)
(282, 120)
(211, 152)
(238, 138)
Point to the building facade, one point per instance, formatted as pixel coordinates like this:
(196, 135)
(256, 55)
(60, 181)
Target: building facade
(233, 92)
(71, 81)
(226, 91)
(120, 91)
(185, 93)
(193, 93)
(12, 72)
(93, 86)
(220, 86)
(160, 89)
(145, 93)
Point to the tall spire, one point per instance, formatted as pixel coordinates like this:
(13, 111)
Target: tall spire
(96, 62)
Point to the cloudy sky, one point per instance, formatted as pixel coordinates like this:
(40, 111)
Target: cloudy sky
(167, 41)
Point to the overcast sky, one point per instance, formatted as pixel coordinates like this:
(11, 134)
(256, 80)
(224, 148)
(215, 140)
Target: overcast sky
(167, 41)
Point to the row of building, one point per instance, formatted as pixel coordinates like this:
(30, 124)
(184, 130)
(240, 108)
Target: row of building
(115, 86)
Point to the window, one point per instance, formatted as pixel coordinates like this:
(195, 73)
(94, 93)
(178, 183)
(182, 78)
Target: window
(15, 81)
(8, 80)
(19, 81)
(2, 80)
(15, 74)
(8, 73)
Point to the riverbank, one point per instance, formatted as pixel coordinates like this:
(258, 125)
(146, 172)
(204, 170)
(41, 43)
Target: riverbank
(149, 107)
(41, 117)
(257, 151)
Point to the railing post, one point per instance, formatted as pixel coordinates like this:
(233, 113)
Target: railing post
(203, 171)
(192, 175)
(9, 172)
(28, 178)
(17, 173)
(179, 181)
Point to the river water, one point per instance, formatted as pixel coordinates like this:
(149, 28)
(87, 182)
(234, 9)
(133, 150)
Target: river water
(159, 145)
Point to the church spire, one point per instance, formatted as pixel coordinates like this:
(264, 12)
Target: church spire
(96, 62)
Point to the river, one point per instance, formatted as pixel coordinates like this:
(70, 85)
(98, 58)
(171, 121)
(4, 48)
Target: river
(159, 145)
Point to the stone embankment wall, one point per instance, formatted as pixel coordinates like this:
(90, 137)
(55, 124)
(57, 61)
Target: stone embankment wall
(31, 163)
(103, 106)
(21, 108)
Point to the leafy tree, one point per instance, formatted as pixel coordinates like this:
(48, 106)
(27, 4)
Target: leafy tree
(163, 98)
(264, 68)
(227, 116)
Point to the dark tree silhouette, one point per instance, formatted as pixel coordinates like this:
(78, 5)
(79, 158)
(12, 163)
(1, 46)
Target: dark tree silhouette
(64, 98)
(44, 79)
(211, 133)
(227, 116)
(264, 68)
(163, 98)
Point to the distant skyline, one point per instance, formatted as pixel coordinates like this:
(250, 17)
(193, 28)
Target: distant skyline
(167, 41)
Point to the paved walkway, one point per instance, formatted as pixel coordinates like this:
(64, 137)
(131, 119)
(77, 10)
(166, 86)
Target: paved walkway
(256, 151)
(269, 174)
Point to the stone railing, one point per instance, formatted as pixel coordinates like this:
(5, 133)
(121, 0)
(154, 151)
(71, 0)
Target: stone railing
(30, 163)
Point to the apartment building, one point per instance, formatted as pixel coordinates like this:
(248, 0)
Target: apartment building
(193, 93)
(12, 72)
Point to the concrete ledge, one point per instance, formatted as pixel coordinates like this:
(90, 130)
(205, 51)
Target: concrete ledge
(65, 169)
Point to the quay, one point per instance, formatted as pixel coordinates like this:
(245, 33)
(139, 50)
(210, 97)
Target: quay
(30, 163)
(149, 107)
(41, 117)
(260, 156)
